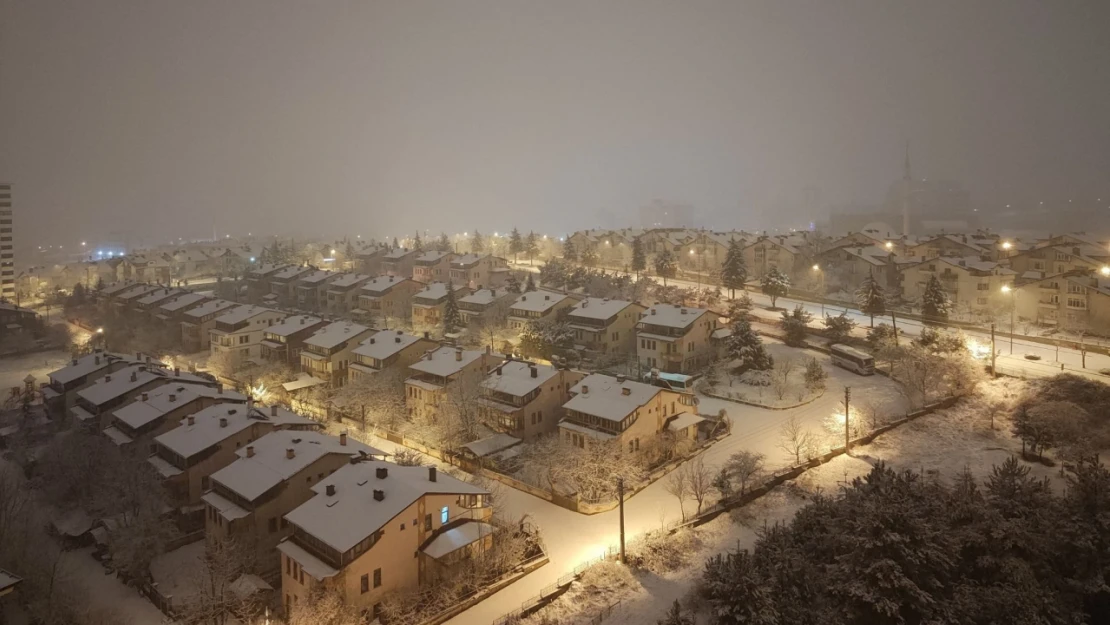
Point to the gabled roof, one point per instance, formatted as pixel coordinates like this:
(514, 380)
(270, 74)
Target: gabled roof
(606, 397)
(208, 308)
(671, 316)
(316, 277)
(599, 308)
(348, 280)
(89, 364)
(170, 397)
(432, 256)
(467, 260)
(484, 297)
(208, 429)
(398, 253)
(291, 272)
(515, 377)
(346, 518)
(267, 269)
(335, 333)
(182, 301)
(385, 343)
(436, 290)
(381, 285)
(446, 361)
(291, 325)
(118, 287)
(136, 292)
(122, 381)
(243, 313)
(160, 295)
(537, 301)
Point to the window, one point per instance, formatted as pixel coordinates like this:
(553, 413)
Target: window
(204, 483)
(364, 583)
(402, 527)
(982, 301)
(443, 515)
(288, 566)
(377, 577)
(1076, 302)
(427, 522)
(273, 524)
(244, 338)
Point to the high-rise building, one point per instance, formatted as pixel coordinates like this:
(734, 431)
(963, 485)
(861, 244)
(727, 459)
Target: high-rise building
(7, 253)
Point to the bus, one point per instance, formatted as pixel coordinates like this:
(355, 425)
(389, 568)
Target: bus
(852, 359)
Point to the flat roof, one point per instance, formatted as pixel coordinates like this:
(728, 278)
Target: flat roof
(484, 297)
(537, 301)
(335, 333)
(169, 397)
(385, 343)
(382, 284)
(348, 279)
(293, 324)
(243, 313)
(182, 301)
(671, 316)
(446, 361)
(88, 364)
(208, 308)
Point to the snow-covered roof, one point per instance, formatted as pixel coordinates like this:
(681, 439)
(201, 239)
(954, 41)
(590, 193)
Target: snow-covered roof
(8, 581)
(384, 343)
(169, 397)
(242, 313)
(88, 364)
(252, 475)
(182, 301)
(683, 421)
(581, 429)
(159, 295)
(303, 380)
(344, 519)
(537, 301)
(432, 256)
(116, 436)
(335, 333)
(208, 429)
(316, 277)
(671, 316)
(436, 290)
(290, 272)
(609, 399)
(515, 377)
(122, 381)
(312, 565)
(228, 509)
(491, 444)
(348, 280)
(208, 308)
(446, 361)
(118, 287)
(293, 324)
(484, 297)
(456, 538)
(598, 308)
(267, 269)
(467, 260)
(381, 285)
(137, 292)
(398, 253)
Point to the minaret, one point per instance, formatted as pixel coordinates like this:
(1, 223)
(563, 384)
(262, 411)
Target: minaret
(907, 182)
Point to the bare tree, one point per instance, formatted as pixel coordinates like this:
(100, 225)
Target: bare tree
(215, 602)
(700, 479)
(326, 608)
(780, 376)
(678, 486)
(796, 440)
(745, 467)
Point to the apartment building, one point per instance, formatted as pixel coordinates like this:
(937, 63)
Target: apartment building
(95, 403)
(123, 303)
(845, 269)
(399, 262)
(1077, 301)
(486, 306)
(387, 298)
(207, 441)
(368, 259)
(327, 353)
(387, 349)
(634, 414)
(606, 326)
(537, 306)
(7, 236)
(60, 393)
(199, 320)
(238, 332)
(312, 289)
(161, 409)
(973, 285)
(476, 271)
(439, 371)
(283, 283)
(149, 304)
(283, 342)
(170, 313)
(524, 399)
(766, 253)
(676, 339)
(428, 304)
(375, 528)
(433, 266)
(1052, 260)
(948, 245)
(343, 292)
(271, 477)
(258, 279)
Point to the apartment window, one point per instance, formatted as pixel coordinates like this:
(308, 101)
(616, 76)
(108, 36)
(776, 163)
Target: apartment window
(204, 483)
(983, 286)
(982, 301)
(273, 524)
(427, 522)
(443, 515)
(365, 583)
(288, 566)
(1076, 302)
(402, 527)
(377, 578)
(300, 574)
(244, 338)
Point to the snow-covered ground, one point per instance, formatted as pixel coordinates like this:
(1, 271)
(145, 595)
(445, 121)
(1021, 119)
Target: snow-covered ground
(14, 369)
(179, 571)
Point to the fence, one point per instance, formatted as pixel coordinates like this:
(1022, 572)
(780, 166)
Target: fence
(548, 593)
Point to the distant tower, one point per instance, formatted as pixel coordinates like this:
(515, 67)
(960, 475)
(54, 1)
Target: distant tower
(907, 181)
(7, 255)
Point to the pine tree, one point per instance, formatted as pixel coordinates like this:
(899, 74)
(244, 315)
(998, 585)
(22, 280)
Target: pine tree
(99, 286)
(516, 244)
(589, 257)
(639, 259)
(839, 327)
(512, 283)
(395, 244)
(815, 375)
(734, 271)
(529, 284)
(570, 252)
(531, 246)
(675, 616)
(795, 325)
(452, 319)
(477, 243)
(935, 303)
(870, 297)
(417, 243)
(444, 243)
(666, 266)
(775, 284)
(746, 346)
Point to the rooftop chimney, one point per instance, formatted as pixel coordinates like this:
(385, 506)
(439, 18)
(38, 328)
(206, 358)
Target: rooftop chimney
(379, 495)
(330, 490)
(396, 339)
(381, 473)
(146, 397)
(547, 297)
(74, 363)
(621, 378)
(97, 359)
(342, 438)
(290, 453)
(626, 391)
(219, 389)
(585, 390)
(273, 410)
(302, 321)
(533, 371)
(223, 422)
(431, 474)
(458, 354)
(250, 451)
(427, 335)
(138, 355)
(192, 420)
(524, 298)
(134, 376)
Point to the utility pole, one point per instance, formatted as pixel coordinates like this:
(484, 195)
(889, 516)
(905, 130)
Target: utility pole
(847, 404)
(620, 498)
(994, 353)
(894, 321)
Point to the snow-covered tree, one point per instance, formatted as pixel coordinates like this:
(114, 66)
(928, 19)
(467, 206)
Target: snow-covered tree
(639, 259)
(935, 303)
(554, 273)
(516, 243)
(746, 347)
(675, 616)
(838, 328)
(443, 243)
(744, 469)
(531, 246)
(477, 243)
(529, 283)
(417, 242)
(734, 270)
(774, 284)
(666, 265)
(589, 256)
(816, 375)
(881, 337)
(512, 283)
(542, 338)
(452, 319)
(795, 325)
(870, 297)
(570, 252)
(741, 306)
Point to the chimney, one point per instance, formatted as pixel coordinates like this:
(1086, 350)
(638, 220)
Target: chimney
(621, 378)
(497, 371)
(138, 355)
(626, 391)
(329, 490)
(192, 420)
(427, 335)
(488, 350)
(273, 410)
(74, 363)
(134, 376)
(431, 474)
(290, 453)
(302, 321)
(250, 451)
(97, 359)
(524, 298)
(381, 473)
(379, 495)
(458, 354)
(396, 339)
(148, 360)
(343, 438)
(547, 298)
(223, 422)
(219, 389)
(177, 371)
(533, 371)
(585, 390)
(250, 404)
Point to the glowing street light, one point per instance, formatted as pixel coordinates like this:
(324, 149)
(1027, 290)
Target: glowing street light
(333, 252)
(1007, 245)
(889, 245)
(1008, 289)
(817, 267)
(1105, 270)
(82, 244)
(100, 330)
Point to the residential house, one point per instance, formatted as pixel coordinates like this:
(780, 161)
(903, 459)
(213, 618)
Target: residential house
(1051, 260)
(705, 252)
(768, 252)
(486, 307)
(207, 441)
(843, 269)
(327, 353)
(283, 342)
(171, 313)
(198, 320)
(948, 245)
(1077, 301)
(60, 393)
(159, 410)
(675, 339)
(270, 478)
(376, 528)
(478, 270)
(123, 303)
(343, 292)
(387, 298)
(433, 266)
(258, 279)
(973, 286)
(399, 262)
(387, 349)
(442, 370)
(238, 332)
(428, 304)
(188, 264)
(283, 284)
(524, 399)
(312, 290)
(606, 326)
(537, 306)
(369, 259)
(633, 414)
(149, 304)
(95, 403)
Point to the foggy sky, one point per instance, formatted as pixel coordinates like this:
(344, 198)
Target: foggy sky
(380, 117)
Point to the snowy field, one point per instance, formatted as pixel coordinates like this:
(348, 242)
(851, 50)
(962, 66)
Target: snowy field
(14, 369)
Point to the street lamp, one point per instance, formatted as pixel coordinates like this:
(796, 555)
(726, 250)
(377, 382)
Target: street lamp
(1007, 245)
(889, 245)
(1105, 271)
(820, 276)
(1008, 289)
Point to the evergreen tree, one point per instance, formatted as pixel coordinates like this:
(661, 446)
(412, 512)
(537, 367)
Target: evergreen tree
(675, 616)
(745, 346)
(589, 257)
(529, 284)
(734, 271)
(880, 337)
(839, 327)
(452, 319)
(417, 243)
(795, 325)
(512, 283)
(639, 259)
(570, 252)
(531, 246)
(740, 306)
(815, 375)
(666, 265)
(935, 303)
(444, 243)
(870, 297)
(516, 244)
(553, 273)
(775, 284)
(477, 243)
(395, 243)
(99, 286)
(349, 252)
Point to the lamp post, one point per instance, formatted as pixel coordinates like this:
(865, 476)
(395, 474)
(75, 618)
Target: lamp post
(820, 277)
(1008, 289)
